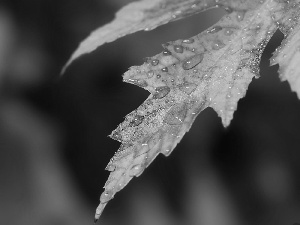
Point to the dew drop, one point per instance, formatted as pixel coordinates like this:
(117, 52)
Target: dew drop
(166, 152)
(228, 10)
(154, 62)
(166, 52)
(192, 61)
(106, 196)
(188, 41)
(150, 73)
(228, 32)
(137, 120)
(218, 45)
(165, 69)
(140, 83)
(136, 170)
(161, 92)
(187, 88)
(176, 115)
(214, 29)
(178, 48)
(116, 135)
(240, 16)
(110, 167)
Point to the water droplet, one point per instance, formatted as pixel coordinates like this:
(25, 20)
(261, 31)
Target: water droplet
(215, 29)
(228, 32)
(178, 48)
(161, 92)
(165, 69)
(167, 151)
(192, 61)
(154, 62)
(136, 170)
(150, 73)
(240, 15)
(188, 41)
(106, 196)
(176, 115)
(167, 52)
(187, 88)
(137, 120)
(158, 76)
(116, 135)
(218, 45)
(228, 10)
(140, 83)
(110, 167)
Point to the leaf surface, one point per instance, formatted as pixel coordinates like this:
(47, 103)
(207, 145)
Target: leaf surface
(288, 54)
(211, 69)
(145, 15)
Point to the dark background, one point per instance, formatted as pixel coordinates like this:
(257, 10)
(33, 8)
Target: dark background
(53, 130)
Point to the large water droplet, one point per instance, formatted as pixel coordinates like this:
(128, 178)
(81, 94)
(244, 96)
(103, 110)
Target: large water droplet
(106, 196)
(187, 88)
(137, 120)
(176, 115)
(161, 92)
(178, 48)
(192, 61)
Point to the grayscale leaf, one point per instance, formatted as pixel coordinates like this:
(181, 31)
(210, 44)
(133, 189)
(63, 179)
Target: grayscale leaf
(147, 15)
(288, 54)
(211, 69)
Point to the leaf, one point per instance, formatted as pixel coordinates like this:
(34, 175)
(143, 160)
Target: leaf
(212, 69)
(143, 15)
(288, 54)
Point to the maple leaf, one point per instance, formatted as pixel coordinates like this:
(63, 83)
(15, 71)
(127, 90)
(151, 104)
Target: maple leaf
(145, 15)
(211, 69)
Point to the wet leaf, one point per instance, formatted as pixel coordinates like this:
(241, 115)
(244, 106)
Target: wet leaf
(211, 69)
(145, 15)
(288, 54)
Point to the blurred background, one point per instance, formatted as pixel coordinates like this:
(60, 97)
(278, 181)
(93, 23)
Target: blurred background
(53, 130)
